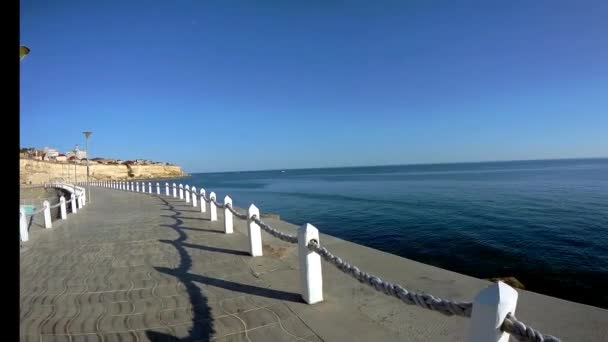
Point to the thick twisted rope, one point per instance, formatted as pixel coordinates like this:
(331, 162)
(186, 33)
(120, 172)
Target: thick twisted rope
(524, 333)
(278, 234)
(36, 212)
(219, 205)
(236, 213)
(510, 325)
(55, 206)
(424, 300)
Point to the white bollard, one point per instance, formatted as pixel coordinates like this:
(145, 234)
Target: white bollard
(193, 196)
(166, 189)
(311, 276)
(187, 191)
(73, 201)
(174, 190)
(150, 187)
(255, 234)
(47, 215)
(143, 187)
(203, 202)
(64, 212)
(23, 225)
(212, 207)
(157, 188)
(136, 186)
(80, 203)
(228, 227)
(490, 307)
(181, 191)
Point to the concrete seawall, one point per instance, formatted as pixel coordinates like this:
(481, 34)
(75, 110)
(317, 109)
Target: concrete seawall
(155, 267)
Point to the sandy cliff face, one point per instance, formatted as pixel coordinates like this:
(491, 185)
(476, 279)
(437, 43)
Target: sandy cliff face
(38, 172)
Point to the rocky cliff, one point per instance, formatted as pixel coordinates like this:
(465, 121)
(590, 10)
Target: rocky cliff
(38, 172)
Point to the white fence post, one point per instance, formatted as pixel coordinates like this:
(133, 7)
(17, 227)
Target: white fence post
(174, 190)
(73, 201)
(47, 215)
(212, 207)
(64, 213)
(311, 276)
(194, 193)
(136, 186)
(23, 225)
(79, 197)
(181, 191)
(187, 191)
(150, 187)
(255, 234)
(228, 227)
(490, 307)
(166, 189)
(143, 187)
(203, 202)
(158, 188)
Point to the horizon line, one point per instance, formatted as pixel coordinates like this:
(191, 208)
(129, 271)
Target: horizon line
(408, 164)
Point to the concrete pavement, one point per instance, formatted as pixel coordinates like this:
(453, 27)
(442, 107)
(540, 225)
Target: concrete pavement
(139, 267)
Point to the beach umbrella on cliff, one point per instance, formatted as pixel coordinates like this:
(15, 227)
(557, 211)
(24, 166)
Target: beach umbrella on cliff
(23, 51)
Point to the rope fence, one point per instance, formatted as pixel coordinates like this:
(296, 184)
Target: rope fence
(77, 200)
(494, 304)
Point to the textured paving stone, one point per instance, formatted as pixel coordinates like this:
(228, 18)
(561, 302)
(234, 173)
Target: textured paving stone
(136, 267)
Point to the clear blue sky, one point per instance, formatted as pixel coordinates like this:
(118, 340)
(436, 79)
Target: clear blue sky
(245, 85)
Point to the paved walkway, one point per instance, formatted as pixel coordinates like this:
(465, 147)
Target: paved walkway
(138, 267)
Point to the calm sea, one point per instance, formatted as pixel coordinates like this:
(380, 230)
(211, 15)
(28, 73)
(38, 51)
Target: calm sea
(544, 222)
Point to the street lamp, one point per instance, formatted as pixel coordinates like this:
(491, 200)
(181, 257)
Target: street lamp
(23, 51)
(87, 134)
(75, 159)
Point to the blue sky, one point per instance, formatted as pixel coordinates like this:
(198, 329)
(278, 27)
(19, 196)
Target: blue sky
(246, 85)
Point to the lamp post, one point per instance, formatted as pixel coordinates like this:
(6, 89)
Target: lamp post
(75, 159)
(23, 51)
(87, 134)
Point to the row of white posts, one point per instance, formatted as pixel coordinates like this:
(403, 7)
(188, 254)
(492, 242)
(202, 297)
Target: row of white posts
(490, 306)
(78, 200)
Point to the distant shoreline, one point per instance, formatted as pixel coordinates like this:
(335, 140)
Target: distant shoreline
(402, 165)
